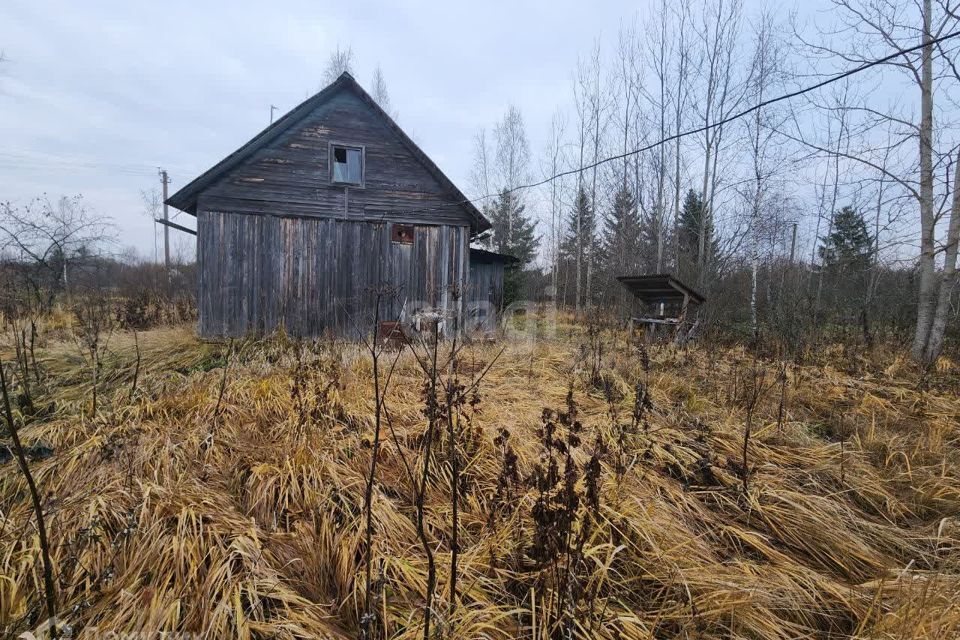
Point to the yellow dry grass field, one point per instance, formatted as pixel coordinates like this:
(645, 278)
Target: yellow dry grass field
(178, 508)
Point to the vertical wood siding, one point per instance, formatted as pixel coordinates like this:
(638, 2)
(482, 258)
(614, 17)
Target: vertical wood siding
(313, 276)
(485, 295)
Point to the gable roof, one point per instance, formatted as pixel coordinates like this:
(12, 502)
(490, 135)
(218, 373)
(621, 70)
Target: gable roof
(186, 198)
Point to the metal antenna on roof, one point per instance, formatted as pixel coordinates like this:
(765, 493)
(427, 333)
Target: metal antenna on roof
(272, 109)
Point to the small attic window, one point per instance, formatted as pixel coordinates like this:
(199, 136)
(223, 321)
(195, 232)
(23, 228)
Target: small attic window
(346, 164)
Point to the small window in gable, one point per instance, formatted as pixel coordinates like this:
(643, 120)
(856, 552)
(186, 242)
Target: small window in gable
(402, 233)
(346, 164)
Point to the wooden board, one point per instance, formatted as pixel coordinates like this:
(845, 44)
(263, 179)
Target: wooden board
(318, 275)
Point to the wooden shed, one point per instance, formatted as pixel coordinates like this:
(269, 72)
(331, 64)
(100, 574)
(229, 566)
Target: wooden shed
(671, 302)
(485, 292)
(331, 206)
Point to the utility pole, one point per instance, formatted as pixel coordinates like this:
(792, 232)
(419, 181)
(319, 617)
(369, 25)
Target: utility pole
(793, 243)
(165, 180)
(272, 109)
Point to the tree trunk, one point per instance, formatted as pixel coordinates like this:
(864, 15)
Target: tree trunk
(754, 322)
(705, 211)
(928, 282)
(579, 260)
(948, 280)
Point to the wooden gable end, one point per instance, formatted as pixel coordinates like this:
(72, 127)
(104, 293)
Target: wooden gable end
(291, 174)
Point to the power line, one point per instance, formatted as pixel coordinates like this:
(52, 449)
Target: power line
(29, 161)
(55, 165)
(702, 129)
(21, 161)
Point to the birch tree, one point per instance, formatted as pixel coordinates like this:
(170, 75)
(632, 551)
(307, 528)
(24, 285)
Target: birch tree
(581, 99)
(720, 94)
(512, 155)
(552, 165)
(658, 94)
(866, 31)
(480, 171)
(592, 105)
(680, 98)
(764, 148)
(378, 91)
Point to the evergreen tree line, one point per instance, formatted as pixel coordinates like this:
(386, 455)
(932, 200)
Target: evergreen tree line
(596, 247)
(846, 287)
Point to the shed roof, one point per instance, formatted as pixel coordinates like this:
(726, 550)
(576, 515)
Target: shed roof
(482, 256)
(186, 198)
(659, 287)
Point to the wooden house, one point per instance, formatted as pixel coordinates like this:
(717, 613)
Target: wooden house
(324, 212)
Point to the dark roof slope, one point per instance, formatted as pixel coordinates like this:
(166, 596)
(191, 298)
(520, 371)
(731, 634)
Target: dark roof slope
(186, 198)
(482, 256)
(659, 287)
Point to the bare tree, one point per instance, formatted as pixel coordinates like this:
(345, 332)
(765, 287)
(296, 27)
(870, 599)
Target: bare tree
(659, 59)
(765, 148)
(555, 153)
(340, 61)
(482, 164)
(948, 279)
(581, 89)
(717, 33)
(681, 93)
(627, 83)
(836, 113)
(512, 155)
(599, 119)
(512, 151)
(378, 90)
(865, 31)
(51, 236)
(592, 106)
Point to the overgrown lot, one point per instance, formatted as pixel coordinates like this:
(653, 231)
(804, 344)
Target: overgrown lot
(221, 489)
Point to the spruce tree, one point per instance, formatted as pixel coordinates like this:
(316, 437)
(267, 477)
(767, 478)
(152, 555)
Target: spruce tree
(849, 246)
(688, 235)
(845, 254)
(621, 234)
(654, 237)
(580, 237)
(514, 234)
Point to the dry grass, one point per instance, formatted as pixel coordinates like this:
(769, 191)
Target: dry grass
(167, 517)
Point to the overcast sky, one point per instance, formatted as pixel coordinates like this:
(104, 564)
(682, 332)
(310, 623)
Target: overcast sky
(94, 96)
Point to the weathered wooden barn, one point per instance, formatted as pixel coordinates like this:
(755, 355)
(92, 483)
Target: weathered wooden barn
(324, 211)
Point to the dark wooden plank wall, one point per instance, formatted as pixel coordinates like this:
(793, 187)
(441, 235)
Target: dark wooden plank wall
(318, 275)
(485, 291)
(291, 176)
